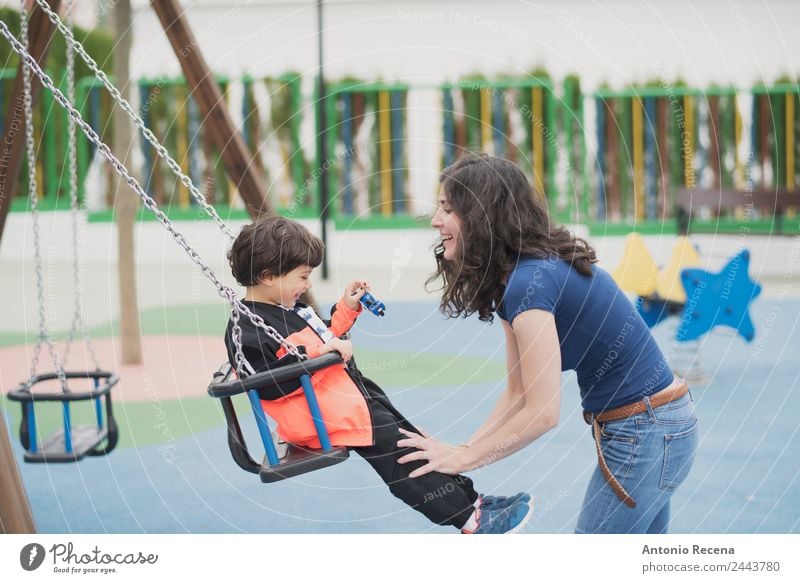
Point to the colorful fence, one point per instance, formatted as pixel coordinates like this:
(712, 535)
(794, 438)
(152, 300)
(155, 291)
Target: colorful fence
(646, 143)
(512, 118)
(655, 140)
(174, 118)
(51, 138)
(367, 169)
(272, 112)
(775, 135)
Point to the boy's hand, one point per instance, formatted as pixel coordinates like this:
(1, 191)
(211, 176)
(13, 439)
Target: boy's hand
(354, 292)
(343, 347)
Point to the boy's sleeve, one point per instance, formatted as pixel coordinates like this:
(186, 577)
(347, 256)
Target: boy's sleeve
(343, 318)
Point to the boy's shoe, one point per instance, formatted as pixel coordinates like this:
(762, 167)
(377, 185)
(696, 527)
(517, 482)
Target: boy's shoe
(503, 521)
(497, 502)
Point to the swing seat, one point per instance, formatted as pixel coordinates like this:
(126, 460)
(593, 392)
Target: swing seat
(288, 460)
(84, 440)
(296, 460)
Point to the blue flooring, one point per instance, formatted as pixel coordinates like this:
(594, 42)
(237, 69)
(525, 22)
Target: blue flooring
(745, 478)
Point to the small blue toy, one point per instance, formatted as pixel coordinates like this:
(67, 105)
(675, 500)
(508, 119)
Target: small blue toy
(372, 304)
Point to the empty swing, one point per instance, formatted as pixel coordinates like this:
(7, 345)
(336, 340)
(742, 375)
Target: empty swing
(71, 442)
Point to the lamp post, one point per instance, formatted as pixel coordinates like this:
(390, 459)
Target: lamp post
(322, 145)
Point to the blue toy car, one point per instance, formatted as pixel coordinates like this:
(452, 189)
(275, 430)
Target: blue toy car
(372, 304)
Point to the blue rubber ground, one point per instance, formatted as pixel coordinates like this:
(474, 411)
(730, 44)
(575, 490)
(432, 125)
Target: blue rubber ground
(745, 478)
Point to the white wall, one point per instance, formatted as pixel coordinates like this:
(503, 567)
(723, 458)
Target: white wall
(614, 41)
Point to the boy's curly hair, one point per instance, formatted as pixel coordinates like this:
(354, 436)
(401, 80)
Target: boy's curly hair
(272, 246)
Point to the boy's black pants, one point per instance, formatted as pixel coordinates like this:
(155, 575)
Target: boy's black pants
(444, 499)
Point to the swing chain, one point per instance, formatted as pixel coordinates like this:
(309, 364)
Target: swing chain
(224, 291)
(79, 275)
(69, 37)
(44, 335)
(243, 367)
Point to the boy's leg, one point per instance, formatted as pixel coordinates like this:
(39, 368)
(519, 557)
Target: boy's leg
(377, 394)
(440, 497)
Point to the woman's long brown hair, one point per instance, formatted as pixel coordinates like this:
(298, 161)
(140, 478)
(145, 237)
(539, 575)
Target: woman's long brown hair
(502, 221)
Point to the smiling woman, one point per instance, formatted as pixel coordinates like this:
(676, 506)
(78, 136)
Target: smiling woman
(500, 253)
(449, 226)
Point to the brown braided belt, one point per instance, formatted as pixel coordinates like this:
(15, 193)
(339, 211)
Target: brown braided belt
(661, 398)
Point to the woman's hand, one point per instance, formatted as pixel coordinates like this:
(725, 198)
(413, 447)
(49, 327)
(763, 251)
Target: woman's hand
(441, 457)
(353, 292)
(343, 347)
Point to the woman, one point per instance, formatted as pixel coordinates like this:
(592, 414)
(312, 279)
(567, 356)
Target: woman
(500, 252)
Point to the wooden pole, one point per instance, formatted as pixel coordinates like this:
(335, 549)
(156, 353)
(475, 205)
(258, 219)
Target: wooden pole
(12, 150)
(15, 513)
(126, 204)
(216, 119)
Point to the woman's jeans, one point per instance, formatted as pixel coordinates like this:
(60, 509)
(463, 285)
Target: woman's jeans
(650, 454)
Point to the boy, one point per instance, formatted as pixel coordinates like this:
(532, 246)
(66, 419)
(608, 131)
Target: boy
(273, 259)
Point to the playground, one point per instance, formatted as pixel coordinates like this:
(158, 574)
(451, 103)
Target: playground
(116, 306)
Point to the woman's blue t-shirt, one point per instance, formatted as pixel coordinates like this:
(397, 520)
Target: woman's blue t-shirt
(602, 336)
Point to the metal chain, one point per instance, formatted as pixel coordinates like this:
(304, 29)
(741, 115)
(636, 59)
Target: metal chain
(78, 283)
(224, 291)
(44, 335)
(136, 118)
(242, 365)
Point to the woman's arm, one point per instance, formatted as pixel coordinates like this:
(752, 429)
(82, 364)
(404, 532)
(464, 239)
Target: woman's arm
(540, 371)
(512, 399)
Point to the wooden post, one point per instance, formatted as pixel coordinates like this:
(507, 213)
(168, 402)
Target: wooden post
(126, 204)
(15, 513)
(12, 151)
(216, 119)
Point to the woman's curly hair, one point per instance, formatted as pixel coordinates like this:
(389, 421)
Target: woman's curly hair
(503, 219)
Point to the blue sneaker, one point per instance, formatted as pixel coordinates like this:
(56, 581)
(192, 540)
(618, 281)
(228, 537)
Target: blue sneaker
(503, 521)
(497, 502)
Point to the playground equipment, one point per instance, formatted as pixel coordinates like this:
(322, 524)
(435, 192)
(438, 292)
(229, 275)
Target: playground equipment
(70, 443)
(283, 460)
(699, 299)
(703, 300)
(243, 367)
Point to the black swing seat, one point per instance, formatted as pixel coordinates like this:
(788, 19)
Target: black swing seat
(296, 460)
(86, 440)
(293, 459)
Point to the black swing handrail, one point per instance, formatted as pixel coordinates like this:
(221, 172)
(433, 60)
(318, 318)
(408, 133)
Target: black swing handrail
(24, 393)
(286, 372)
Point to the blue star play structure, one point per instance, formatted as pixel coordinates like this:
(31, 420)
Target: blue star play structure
(712, 299)
(719, 299)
